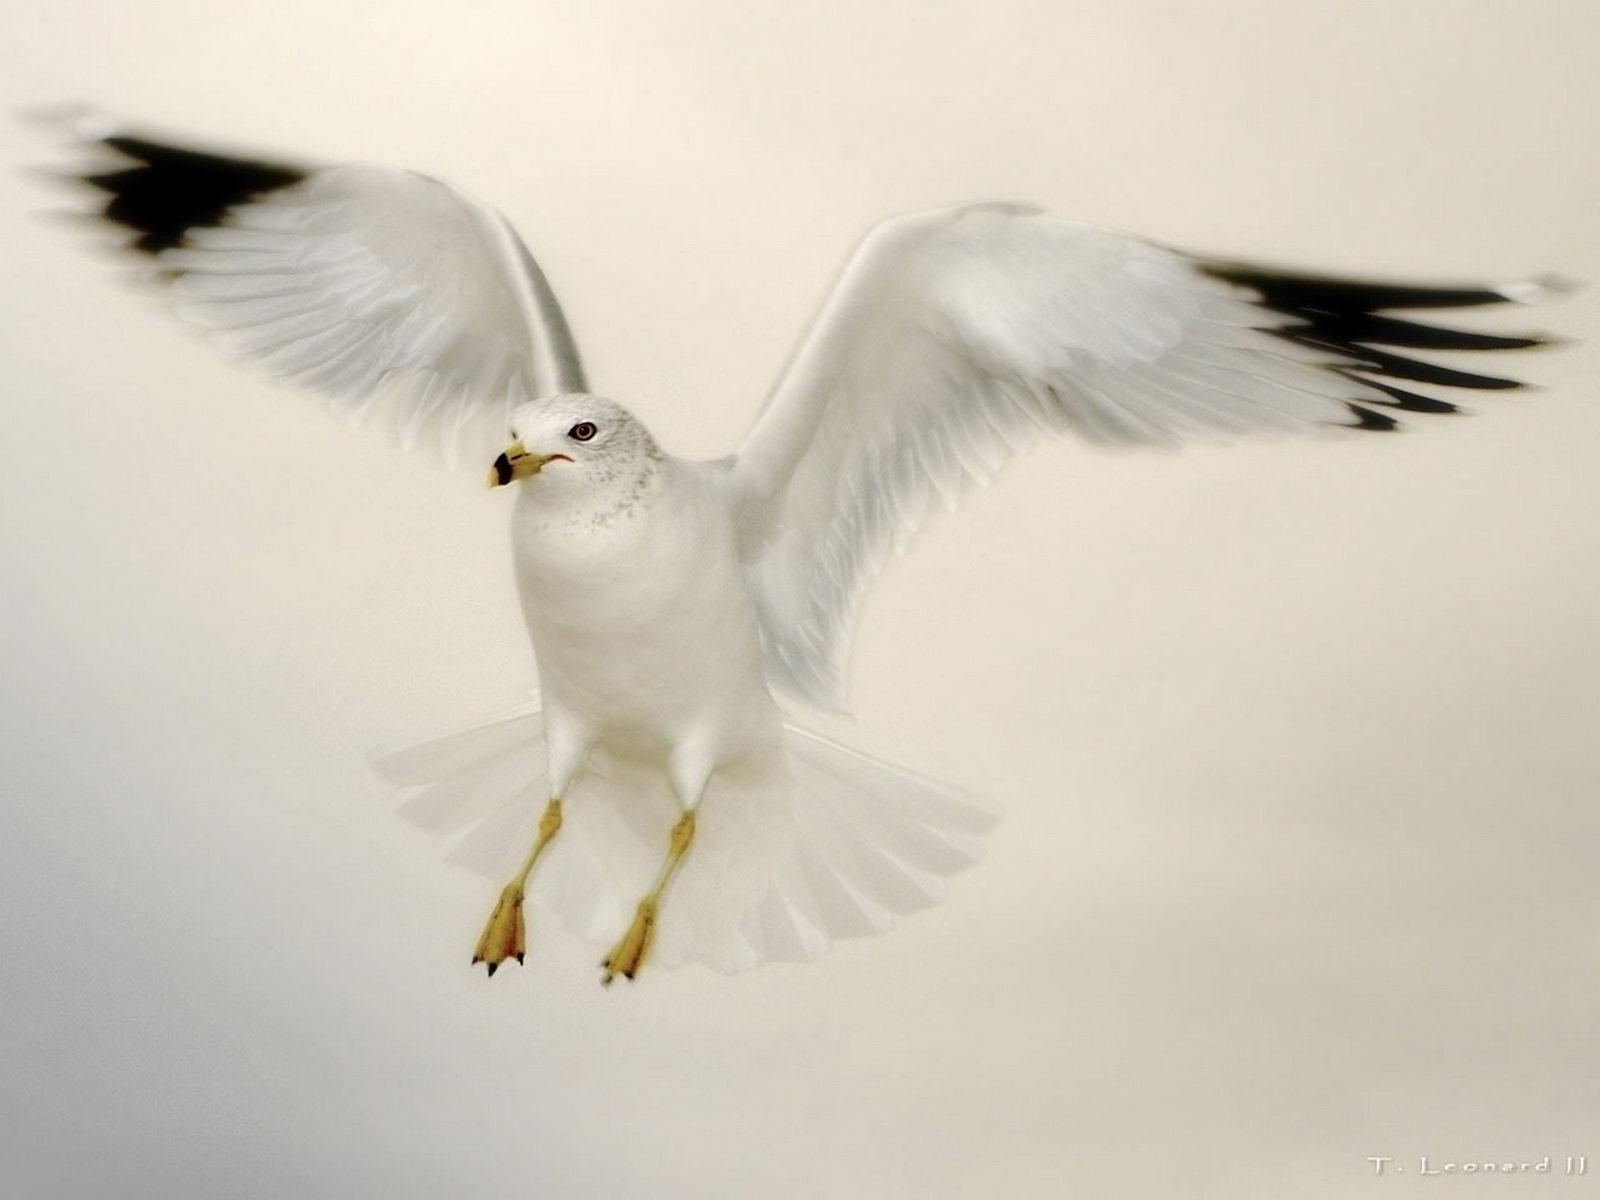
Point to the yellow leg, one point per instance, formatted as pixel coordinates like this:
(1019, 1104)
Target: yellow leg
(505, 936)
(629, 954)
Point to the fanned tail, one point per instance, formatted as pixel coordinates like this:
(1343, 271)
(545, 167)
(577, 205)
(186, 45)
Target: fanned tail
(870, 841)
(796, 849)
(473, 786)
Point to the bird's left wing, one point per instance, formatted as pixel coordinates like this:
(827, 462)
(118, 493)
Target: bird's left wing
(362, 283)
(955, 337)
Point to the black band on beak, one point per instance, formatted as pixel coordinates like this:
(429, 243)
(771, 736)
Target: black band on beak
(502, 470)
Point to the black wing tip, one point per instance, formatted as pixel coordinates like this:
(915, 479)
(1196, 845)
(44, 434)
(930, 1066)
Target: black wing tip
(1309, 295)
(172, 190)
(1341, 330)
(1399, 398)
(1372, 422)
(1398, 366)
(1287, 291)
(1347, 319)
(157, 189)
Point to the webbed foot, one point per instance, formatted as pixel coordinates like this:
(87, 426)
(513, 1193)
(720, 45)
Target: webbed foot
(629, 954)
(505, 936)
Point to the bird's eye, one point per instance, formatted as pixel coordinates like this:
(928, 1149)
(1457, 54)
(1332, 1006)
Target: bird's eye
(582, 431)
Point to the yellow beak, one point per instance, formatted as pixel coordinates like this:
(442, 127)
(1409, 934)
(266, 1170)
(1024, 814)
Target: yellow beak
(515, 463)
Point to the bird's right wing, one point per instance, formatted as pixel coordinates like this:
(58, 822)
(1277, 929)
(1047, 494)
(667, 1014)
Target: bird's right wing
(955, 337)
(362, 283)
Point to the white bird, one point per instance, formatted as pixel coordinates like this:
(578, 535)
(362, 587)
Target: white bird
(670, 602)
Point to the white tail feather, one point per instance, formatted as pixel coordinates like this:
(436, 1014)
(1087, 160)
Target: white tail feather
(793, 851)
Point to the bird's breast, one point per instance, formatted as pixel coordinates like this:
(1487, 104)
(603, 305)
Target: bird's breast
(644, 628)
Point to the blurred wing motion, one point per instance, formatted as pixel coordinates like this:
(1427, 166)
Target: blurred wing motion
(955, 337)
(360, 282)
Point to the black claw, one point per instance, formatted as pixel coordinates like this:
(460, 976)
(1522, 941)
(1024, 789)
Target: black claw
(519, 960)
(492, 967)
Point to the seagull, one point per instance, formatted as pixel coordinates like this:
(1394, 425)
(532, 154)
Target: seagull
(673, 604)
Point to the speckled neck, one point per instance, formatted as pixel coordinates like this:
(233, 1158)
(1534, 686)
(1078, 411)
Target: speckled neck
(610, 496)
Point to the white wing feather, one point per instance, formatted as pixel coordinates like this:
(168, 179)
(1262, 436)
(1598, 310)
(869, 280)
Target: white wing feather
(362, 283)
(953, 338)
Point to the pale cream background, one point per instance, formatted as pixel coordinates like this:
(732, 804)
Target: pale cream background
(1297, 741)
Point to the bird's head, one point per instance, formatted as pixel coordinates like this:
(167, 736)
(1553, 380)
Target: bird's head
(574, 443)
